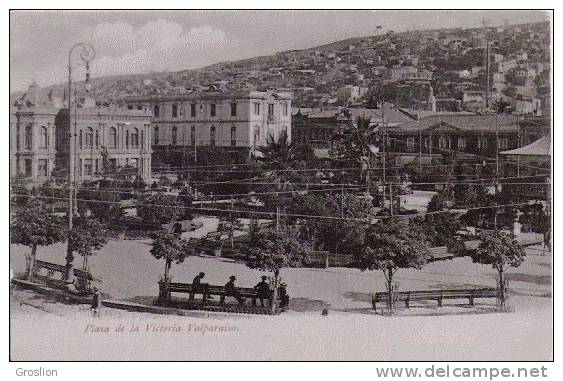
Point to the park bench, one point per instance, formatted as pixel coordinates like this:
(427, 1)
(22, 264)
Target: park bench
(55, 274)
(439, 253)
(167, 288)
(438, 295)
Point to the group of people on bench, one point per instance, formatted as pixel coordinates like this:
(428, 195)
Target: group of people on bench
(262, 288)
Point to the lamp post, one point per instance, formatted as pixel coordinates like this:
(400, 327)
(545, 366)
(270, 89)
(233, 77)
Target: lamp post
(86, 53)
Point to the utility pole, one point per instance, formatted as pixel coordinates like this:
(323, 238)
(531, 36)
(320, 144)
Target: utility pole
(487, 76)
(86, 54)
(391, 197)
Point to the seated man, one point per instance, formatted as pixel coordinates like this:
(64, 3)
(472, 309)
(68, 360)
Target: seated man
(263, 289)
(230, 290)
(199, 287)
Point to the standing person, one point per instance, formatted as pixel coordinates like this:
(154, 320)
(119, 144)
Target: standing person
(230, 290)
(263, 289)
(199, 287)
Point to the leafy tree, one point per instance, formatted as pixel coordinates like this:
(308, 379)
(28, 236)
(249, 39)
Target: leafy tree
(158, 209)
(32, 225)
(171, 248)
(271, 250)
(86, 236)
(440, 228)
(229, 225)
(353, 142)
(499, 250)
(390, 245)
(102, 204)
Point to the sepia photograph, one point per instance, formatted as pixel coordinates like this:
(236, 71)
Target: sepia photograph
(281, 185)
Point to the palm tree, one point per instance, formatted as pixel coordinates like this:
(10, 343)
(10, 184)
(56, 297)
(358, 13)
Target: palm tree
(278, 159)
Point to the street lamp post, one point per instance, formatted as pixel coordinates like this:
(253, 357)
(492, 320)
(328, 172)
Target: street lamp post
(86, 53)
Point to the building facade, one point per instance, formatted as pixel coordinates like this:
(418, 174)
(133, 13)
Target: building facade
(39, 139)
(233, 122)
(32, 138)
(123, 134)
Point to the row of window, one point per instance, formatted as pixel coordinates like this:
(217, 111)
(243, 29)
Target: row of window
(445, 142)
(213, 109)
(28, 138)
(212, 135)
(89, 139)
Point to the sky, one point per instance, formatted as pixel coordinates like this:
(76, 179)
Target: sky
(136, 42)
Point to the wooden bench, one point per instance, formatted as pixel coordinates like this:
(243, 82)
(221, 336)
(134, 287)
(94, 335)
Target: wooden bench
(167, 288)
(55, 275)
(439, 253)
(438, 295)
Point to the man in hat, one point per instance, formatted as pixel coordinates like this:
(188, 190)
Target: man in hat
(263, 289)
(199, 287)
(230, 290)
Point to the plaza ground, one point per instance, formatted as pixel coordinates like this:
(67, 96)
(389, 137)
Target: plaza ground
(44, 330)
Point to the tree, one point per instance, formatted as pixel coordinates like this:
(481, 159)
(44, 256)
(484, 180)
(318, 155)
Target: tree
(158, 209)
(440, 228)
(278, 159)
(229, 225)
(32, 225)
(170, 247)
(500, 250)
(86, 236)
(104, 205)
(390, 245)
(272, 250)
(354, 142)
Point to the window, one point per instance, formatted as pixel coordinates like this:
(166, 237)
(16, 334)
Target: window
(285, 109)
(127, 139)
(410, 142)
(392, 142)
(28, 136)
(97, 168)
(44, 137)
(444, 142)
(270, 109)
(156, 111)
(212, 136)
(503, 143)
(112, 137)
(461, 143)
(97, 139)
(428, 143)
(233, 136)
(139, 107)
(42, 167)
(113, 163)
(80, 167)
(192, 110)
(88, 167)
(80, 139)
(192, 135)
(155, 135)
(256, 135)
(27, 163)
(133, 162)
(256, 108)
(174, 111)
(135, 138)
(213, 109)
(89, 137)
(482, 143)
(174, 135)
(233, 109)
(130, 107)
